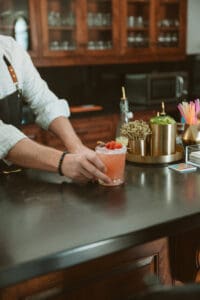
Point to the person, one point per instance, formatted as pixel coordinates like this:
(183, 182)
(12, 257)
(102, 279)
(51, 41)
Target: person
(19, 77)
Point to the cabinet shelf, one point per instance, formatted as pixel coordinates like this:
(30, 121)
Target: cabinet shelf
(139, 1)
(166, 29)
(136, 29)
(62, 28)
(170, 1)
(101, 28)
(8, 27)
(97, 1)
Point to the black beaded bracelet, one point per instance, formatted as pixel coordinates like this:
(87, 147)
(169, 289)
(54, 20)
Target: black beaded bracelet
(60, 163)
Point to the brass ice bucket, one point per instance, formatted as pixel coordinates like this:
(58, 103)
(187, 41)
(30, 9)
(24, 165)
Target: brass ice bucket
(163, 140)
(140, 146)
(191, 135)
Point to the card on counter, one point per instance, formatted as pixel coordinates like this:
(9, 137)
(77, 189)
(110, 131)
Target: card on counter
(183, 168)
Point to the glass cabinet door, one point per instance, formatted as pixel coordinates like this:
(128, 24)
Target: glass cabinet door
(168, 24)
(61, 25)
(153, 27)
(77, 26)
(15, 21)
(136, 29)
(101, 25)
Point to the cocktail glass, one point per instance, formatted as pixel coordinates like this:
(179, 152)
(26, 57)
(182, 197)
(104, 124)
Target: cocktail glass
(114, 160)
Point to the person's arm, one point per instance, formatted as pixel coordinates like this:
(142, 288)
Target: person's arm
(29, 154)
(51, 114)
(89, 162)
(78, 167)
(63, 129)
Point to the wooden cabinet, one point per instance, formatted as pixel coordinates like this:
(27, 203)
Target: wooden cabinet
(144, 115)
(10, 10)
(93, 129)
(82, 32)
(79, 27)
(153, 28)
(113, 31)
(34, 132)
(186, 257)
(90, 130)
(116, 276)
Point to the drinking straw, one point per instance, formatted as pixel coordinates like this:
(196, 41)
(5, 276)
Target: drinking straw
(180, 108)
(189, 111)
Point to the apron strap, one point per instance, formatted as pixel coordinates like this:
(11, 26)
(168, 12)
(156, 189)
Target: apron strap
(12, 74)
(11, 105)
(11, 70)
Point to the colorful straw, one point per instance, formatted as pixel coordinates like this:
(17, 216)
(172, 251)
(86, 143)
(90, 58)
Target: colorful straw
(189, 111)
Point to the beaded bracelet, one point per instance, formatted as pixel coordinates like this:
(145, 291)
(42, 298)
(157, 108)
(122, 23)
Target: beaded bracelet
(60, 163)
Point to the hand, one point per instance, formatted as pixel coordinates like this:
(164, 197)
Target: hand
(84, 166)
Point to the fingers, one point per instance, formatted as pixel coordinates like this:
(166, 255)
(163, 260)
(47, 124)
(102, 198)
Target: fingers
(93, 158)
(84, 167)
(95, 169)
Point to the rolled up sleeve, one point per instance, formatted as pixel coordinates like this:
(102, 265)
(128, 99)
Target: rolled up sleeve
(9, 136)
(44, 103)
(47, 107)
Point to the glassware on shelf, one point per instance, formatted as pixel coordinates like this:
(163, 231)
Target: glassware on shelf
(168, 23)
(138, 39)
(106, 19)
(70, 19)
(62, 45)
(131, 21)
(174, 38)
(139, 21)
(90, 19)
(54, 18)
(99, 45)
(168, 39)
(57, 19)
(98, 19)
(131, 39)
(54, 46)
(134, 21)
(91, 45)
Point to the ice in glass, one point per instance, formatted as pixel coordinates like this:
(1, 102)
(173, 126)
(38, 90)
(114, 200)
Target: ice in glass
(114, 160)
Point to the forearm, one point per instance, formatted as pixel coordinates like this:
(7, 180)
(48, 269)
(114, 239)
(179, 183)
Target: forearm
(80, 167)
(29, 154)
(62, 127)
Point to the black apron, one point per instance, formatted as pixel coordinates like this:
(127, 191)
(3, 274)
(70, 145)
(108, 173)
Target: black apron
(11, 105)
(11, 111)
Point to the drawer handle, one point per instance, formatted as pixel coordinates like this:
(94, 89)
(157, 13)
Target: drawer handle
(45, 295)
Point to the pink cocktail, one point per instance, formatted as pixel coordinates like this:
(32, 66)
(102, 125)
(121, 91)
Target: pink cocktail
(114, 160)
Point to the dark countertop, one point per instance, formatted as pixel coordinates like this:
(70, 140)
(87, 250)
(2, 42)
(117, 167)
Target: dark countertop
(47, 224)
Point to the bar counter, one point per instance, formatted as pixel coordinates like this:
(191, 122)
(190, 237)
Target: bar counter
(48, 223)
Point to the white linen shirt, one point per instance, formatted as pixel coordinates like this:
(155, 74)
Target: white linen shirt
(44, 104)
